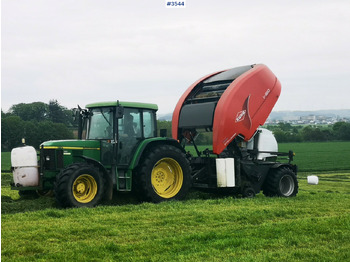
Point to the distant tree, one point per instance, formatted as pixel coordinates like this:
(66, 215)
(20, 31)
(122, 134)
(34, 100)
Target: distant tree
(4, 115)
(12, 132)
(327, 134)
(163, 124)
(285, 126)
(34, 111)
(13, 129)
(52, 131)
(280, 135)
(30, 133)
(310, 133)
(291, 135)
(342, 130)
(59, 114)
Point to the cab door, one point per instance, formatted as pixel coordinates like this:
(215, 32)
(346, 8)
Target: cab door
(130, 133)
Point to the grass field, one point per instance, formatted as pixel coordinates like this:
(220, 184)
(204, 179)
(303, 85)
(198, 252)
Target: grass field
(320, 156)
(5, 161)
(314, 226)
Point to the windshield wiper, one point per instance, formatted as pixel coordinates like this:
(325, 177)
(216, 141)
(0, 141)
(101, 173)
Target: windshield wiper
(105, 117)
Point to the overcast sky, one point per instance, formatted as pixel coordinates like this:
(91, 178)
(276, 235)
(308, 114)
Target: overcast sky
(83, 51)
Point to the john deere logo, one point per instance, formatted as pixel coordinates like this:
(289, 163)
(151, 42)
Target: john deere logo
(240, 116)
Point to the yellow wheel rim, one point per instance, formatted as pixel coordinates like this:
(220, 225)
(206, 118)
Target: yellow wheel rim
(84, 188)
(167, 177)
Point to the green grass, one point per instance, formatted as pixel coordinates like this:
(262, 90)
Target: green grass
(314, 226)
(5, 161)
(320, 156)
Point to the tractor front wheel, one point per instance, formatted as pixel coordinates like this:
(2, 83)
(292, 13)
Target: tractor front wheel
(281, 182)
(164, 174)
(79, 185)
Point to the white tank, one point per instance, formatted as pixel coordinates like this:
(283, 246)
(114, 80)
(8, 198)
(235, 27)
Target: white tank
(25, 166)
(266, 142)
(225, 172)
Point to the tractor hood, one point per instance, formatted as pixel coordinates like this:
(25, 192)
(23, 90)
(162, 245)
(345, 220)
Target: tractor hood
(71, 144)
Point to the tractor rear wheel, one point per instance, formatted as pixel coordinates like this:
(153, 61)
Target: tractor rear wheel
(164, 174)
(79, 185)
(281, 182)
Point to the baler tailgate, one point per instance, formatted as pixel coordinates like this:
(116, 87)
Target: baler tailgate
(244, 106)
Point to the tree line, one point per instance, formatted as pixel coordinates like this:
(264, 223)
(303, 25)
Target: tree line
(285, 132)
(36, 122)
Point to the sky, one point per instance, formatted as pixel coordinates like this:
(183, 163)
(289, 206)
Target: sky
(84, 51)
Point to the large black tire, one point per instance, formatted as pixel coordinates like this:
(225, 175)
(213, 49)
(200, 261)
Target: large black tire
(164, 174)
(79, 185)
(281, 182)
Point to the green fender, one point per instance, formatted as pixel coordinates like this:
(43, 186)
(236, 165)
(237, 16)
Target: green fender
(148, 143)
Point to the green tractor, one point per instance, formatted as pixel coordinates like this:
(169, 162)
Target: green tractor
(118, 148)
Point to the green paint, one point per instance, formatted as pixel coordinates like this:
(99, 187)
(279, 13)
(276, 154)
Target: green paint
(124, 104)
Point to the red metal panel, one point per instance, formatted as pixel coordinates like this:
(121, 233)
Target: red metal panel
(176, 113)
(244, 106)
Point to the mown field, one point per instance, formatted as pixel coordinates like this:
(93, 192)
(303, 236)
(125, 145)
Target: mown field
(320, 156)
(314, 226)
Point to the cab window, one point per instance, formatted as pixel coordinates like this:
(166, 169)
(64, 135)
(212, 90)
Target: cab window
(100, 124)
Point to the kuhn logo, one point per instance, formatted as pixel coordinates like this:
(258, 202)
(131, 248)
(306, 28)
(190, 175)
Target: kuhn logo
(266, 93)
(240, 115)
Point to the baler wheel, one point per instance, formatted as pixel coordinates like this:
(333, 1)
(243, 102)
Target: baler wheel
(79, 185)
(281, 182)
(248, 192)
(45, 193)
(164, 174)
(28, 194)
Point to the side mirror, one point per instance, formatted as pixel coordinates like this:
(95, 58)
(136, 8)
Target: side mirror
(119, 112)
(75, 114)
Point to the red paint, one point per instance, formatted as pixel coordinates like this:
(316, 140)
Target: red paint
(244, 106)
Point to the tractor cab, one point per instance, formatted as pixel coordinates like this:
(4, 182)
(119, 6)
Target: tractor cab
(120, 126)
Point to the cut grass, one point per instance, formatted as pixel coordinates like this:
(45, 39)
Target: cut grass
(320, 156)
(5, 161)
(314, 226)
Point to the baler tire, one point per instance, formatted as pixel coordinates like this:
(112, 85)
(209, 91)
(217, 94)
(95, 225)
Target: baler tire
(281, 182)
(45, 193)
(79, 185)
(28, 194)
(248, 192)
(164, 174)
